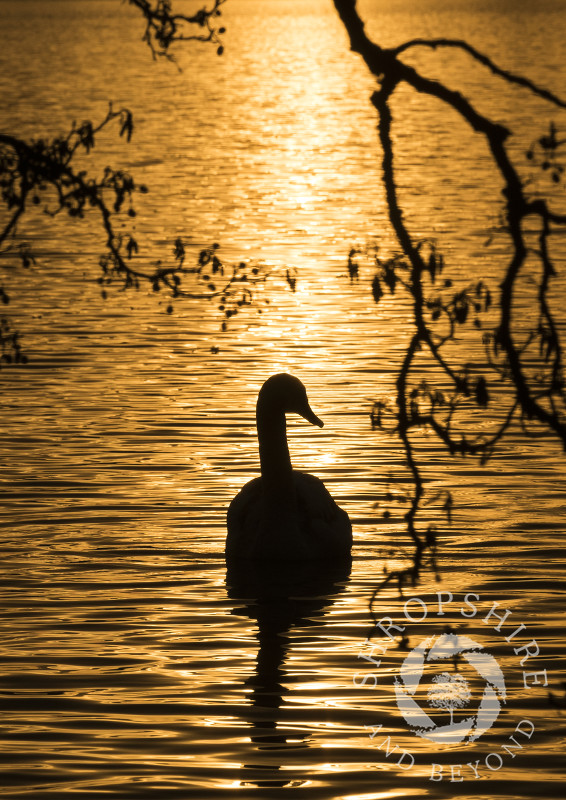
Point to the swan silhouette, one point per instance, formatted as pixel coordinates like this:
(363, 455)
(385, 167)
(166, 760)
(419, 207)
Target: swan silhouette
(285, 514)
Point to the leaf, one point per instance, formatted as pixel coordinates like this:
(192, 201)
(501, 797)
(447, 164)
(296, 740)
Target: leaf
(353, 266)
(482, 394)
(127, 125)
(461, 308)
(376, 290)
(131, 247)
(432, 266)
(390, 276)
(179, 250)
(204, 257)
(448, 507)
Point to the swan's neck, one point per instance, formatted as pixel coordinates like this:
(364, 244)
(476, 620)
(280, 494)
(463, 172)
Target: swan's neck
(276, 469)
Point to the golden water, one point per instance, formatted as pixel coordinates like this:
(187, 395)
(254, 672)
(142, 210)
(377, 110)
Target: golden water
(133, 666)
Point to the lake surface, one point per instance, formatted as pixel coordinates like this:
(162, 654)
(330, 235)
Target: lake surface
(133, 664)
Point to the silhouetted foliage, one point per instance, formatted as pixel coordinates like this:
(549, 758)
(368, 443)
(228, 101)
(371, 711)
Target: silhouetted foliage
(525, 367)
(42, 172)
(165, 27)
(10, 350)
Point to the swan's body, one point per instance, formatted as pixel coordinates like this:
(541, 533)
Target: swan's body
(285, 514)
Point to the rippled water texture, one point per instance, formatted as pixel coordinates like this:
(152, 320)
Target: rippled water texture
(134, 666)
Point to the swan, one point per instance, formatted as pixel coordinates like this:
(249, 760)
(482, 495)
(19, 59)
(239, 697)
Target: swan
(285, 514)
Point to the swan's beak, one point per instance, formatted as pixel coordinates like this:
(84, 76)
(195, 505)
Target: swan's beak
(311, 417)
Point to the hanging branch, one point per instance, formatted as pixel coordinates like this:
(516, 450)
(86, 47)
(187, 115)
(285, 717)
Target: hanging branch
(481, 58)
(164, 28)
(42, 173)
(32, 171)
(537, 397)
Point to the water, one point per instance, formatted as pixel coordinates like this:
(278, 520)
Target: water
(133, 665)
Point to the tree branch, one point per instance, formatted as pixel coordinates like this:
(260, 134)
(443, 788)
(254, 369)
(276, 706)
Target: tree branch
(507, 75)
(164, 28)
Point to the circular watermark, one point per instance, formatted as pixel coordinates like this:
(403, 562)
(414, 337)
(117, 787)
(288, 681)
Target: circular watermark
(449, 688)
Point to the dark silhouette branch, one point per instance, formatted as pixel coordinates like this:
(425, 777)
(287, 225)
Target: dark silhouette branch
(507, 75)
(164, 27)
(41, 173)
(509, 348)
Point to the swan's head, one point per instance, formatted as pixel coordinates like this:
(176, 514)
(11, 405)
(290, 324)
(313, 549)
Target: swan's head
(286, 393)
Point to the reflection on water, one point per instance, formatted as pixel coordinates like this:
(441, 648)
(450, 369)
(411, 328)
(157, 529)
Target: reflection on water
(134, 663)
(279, 600)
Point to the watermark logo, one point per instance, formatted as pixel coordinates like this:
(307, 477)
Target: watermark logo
(449, 691)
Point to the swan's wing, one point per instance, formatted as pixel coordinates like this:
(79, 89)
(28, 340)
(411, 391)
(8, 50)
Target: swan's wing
(313, 497)
(243, 518)
(325, 521)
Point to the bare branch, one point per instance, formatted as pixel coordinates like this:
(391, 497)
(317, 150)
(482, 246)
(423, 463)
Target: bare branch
(507, 75)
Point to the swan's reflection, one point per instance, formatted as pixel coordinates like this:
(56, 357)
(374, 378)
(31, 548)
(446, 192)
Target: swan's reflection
(279, 596)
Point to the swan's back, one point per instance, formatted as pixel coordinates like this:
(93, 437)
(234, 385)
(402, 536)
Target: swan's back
(312, 527)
